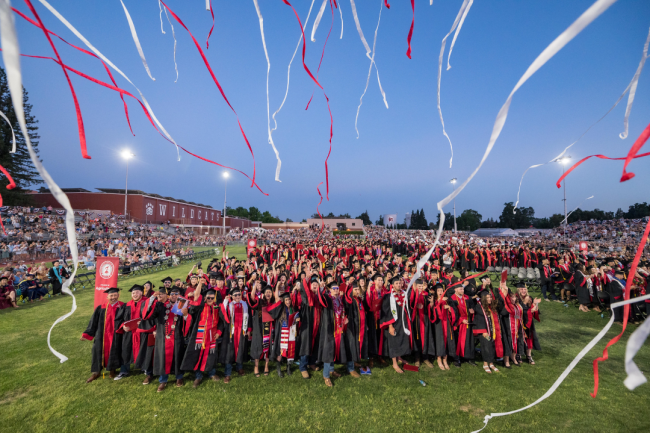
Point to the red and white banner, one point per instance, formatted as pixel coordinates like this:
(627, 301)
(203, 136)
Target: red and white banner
(584, 246)
(252, 244)
(106, 277)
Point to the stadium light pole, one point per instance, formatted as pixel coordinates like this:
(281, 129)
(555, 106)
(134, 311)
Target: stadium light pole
(225, 191)
(126, 154)
(564, 161)
(453, 182)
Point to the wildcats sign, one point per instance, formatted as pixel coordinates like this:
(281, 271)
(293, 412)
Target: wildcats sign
(390, 219)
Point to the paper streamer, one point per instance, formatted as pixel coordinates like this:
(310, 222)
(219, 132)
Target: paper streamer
(214, 78)
(387, 5)
(372, 59)
(633, 151)
(565, 220)
(574, 166)
(11, 184)
(460, 25)
(108, 71)
(571, 366)
(268, 112)
(410, 35)
(626, 309)
(13, 136)
(627, 89)
(594, 11)
(173, 35)
(289, 68)
(459, 16)
(109, 63)
(635, 377)
(134, 34)
(11, 57)
(341, 13)
(208, 5)
(318, 18)
(633, 85)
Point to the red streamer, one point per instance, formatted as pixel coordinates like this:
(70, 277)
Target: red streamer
(207, 42)
(80, 122)
(214, 78)
(559, 181)
(146, 112)
(633, 151)
(386, 3)
(11, 185)
(322, 223)
(126, 108)
(322, 54)
(408, 39)
(626, 308)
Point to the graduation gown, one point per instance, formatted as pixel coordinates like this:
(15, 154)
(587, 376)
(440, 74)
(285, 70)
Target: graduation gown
(202, 346)
(169, 348)
(423, 341)
(375, 333)
(107, 345)
(285, 331)
(310, 316)
(134, 340)
(400, 343)
(334, 346)
(532, 342)
(511, 321)
(582, 288)
(263, 327)
(463, 332)
(443, 321)
(486, 321)
(234, 346)
(358, 330)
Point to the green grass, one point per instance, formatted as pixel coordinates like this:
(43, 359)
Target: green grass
(37, 393)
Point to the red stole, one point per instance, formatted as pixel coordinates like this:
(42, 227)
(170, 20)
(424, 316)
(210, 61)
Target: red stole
(135, 336)
(415, 299)
(237, 326)
(208, 323)
(462, 328)
(109, 329)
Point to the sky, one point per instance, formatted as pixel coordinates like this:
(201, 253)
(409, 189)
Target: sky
(400, 161)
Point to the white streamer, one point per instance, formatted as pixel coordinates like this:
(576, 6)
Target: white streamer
(317, 22)
(442, 53)
(109, 63)
(372, 62)
(174, 36)
(633, 84)
(289, 68)
(571, 366)
(161, 21)
(11, 57)
(207, 5)
(134, 34)
(635, 377)
(341, 12)
(268, 70)
(13, 136)
(460, 24)
(594, 11)
(569, 214)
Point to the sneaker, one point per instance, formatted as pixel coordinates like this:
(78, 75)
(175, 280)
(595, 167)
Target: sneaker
(121, 376)
(365, 372)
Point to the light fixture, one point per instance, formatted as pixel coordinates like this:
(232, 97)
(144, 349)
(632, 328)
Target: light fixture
(225, 174)
(453, 181)
(126, 154)
(565, 160)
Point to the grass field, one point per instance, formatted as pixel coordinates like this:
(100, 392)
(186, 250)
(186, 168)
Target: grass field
(37, 393)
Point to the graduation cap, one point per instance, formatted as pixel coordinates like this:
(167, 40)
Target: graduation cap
(3, 278)
(210, 292)
(174, 289)
(285, 295)
(619, 272)
(164, 280)
(192, 276)
(235, 290)
(267, 287)
(150, 283)
(136, 287)
(241, 277)
(112, 290)
(520, 285)
(395, 279)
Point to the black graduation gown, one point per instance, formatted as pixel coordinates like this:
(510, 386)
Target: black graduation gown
(260, 327)
(422, 337)
(131, 338)
(400, 343)
(508, 333)
(532, 342)
(442, 320)
(275, 310)
(463, 333)
(582, 288)
(310, 316)
(227, 349)
(486, 325)
(197, 357)
(358, 331)
(169, 348)
(334, 345)
(97, 330)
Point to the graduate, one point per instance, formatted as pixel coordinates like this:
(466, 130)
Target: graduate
(396, 324)
(334, 346)
(148, 290)
(132, 340)
(511, 320)
(374, 296)
(103, 328)
(462, 305)
(305, 297)
(357, 328)
(169, 347)
(285, 330)
(234, 347)
(584, 286)
(263, 325)
(423, 344)
(487, 330)
(444, 319)
(207, 326)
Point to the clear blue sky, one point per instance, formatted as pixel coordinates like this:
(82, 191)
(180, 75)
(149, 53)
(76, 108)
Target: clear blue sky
(400, 161)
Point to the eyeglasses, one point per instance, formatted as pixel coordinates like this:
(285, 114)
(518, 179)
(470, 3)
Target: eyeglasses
(211, 298)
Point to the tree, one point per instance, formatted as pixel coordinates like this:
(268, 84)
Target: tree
(345, 215)
(619, 213)
(289, 220)
(489, 223)
(330, 215)
(449, 221)
(18, 164)
(638, 210)
(380, 221)
(254, 214)
(521, 219)
(365, 218)
(469, 220)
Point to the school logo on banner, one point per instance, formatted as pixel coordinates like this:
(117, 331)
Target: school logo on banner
(106, 270)
(149, 209)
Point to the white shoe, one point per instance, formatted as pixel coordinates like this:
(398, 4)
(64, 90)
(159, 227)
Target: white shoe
(121, 376)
